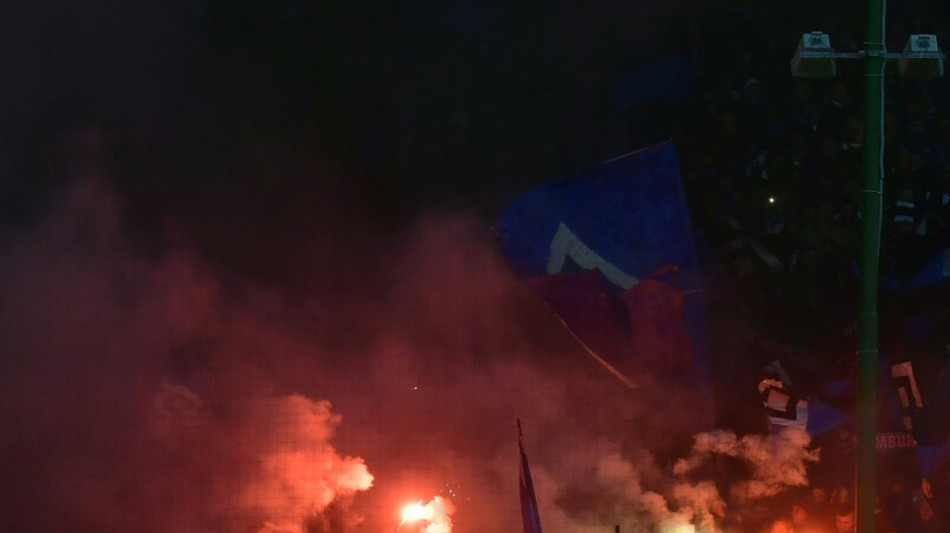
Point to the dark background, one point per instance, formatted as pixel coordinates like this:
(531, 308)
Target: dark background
(265, 112)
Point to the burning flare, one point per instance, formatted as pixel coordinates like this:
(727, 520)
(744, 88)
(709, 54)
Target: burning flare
(412, 513)
(436, 514)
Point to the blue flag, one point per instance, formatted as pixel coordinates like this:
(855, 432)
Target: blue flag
(904, 411)
(784, 408)
(611, 251)
(529, 503)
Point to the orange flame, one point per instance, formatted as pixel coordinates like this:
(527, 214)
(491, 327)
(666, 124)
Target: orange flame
(413, 512)
(437, 515)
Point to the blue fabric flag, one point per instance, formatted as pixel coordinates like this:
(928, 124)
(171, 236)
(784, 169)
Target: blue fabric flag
(903, 410)
(784, 408)
(898, 398)
(823, 417)
(529, 503)
(611, 251)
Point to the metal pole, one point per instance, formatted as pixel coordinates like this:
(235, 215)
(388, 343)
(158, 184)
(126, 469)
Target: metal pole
(866, 462)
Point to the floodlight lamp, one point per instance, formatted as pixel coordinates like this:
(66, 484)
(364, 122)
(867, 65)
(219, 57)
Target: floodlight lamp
(921, 58)
(814, 57)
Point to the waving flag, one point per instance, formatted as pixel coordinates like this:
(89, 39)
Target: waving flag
(906, 417)
(529, 504)
(784, 408)
(611, 251)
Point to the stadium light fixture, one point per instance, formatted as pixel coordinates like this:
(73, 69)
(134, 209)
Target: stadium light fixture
(921, 58)
(814, 57)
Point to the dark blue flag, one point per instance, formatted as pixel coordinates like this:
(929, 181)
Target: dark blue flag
(784, 408)
(611, 251)
(904, 412)
(529, 503)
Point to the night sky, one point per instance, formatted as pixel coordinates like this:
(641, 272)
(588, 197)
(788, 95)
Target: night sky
(245, 264)
(399, 106)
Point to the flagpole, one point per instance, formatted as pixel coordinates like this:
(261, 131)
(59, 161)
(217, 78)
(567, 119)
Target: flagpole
(530, 519)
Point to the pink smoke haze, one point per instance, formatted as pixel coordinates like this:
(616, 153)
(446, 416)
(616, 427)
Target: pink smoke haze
(158, 392)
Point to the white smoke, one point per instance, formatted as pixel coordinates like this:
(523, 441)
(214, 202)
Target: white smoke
(299, 472)
(597, 487)
(777, 461)
(157, 394)
(123, 430)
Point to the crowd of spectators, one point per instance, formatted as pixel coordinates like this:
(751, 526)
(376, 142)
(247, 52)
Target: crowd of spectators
(900, 508)
(773, 169)
(778, 160)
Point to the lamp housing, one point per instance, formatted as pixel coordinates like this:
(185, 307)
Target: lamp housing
(921, 58)
(814, 57)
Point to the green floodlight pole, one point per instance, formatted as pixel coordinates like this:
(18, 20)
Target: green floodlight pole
(921, 58)
(815, 59)
(871, 200)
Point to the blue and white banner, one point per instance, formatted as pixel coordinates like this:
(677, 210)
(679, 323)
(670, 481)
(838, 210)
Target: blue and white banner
(611, 251)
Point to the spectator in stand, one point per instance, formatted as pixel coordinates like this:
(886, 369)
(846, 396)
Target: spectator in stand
(838, 108)
(884, 522)
(819, 500)
(805, 112)
(813, 512)
(908, 243)
(820, 167)
(935, 488)
(919, 146)
(895, 493)
(903, 213)
(937, 201)
(844, 518)
(803, 520)
(781, 526)
(918, 516)
(900, 168)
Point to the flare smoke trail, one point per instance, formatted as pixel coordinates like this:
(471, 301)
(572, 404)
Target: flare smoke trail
(158, 391)
(123, 418)
(153, 383)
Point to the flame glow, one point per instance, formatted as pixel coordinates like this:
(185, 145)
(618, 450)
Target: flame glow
(223, 421)
(411, 513)
(437, 514)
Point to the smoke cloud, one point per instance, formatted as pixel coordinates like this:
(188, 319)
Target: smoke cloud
(776, 462)
(145, 391)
